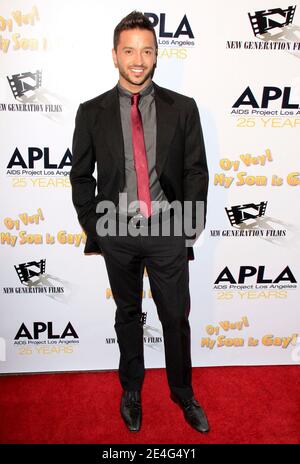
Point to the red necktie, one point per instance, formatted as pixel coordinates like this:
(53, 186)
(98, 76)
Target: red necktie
(140, 157)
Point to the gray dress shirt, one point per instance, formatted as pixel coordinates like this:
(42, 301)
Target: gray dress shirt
(148, 113)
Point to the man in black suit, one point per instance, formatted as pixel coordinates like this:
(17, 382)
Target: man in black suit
(148, 147)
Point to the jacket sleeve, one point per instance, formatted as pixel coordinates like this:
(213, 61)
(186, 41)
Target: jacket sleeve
(81, 175)
(195, 181)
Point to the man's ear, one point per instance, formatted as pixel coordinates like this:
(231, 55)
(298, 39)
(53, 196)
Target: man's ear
(114, 57)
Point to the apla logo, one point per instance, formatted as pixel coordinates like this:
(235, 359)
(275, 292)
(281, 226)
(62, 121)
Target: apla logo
(181, 36)
(247, 274)
(241, 215)
(269, 93)
(45, 328)
(273, 19)
(38, 158)
(272, 101)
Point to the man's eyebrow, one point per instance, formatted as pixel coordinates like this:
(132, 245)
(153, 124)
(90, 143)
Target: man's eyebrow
(144, 48)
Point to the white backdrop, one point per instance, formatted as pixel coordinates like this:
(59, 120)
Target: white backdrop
(57, 312)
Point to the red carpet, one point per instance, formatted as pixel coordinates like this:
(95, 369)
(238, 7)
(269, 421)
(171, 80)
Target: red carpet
(243, 404)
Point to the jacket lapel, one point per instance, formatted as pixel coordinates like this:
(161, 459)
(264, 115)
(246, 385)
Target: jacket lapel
(113, 130)
(166, 122)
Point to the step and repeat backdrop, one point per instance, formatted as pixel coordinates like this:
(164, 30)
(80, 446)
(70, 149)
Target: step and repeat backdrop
(240, 61)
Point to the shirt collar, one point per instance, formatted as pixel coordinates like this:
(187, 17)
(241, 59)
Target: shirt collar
(125, 93)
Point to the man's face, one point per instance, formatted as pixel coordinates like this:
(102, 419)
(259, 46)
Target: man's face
(135, 58)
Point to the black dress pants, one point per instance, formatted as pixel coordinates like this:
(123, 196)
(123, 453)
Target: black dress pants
(165, 258)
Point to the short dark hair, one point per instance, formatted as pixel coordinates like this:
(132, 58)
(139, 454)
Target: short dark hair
(134, 20)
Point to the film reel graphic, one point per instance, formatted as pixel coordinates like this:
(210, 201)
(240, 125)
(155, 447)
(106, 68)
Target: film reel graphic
(25, 82)
(26, 271)
(240, 213)
(265, 20)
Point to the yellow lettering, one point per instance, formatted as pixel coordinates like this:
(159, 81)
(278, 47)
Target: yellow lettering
(293, 178)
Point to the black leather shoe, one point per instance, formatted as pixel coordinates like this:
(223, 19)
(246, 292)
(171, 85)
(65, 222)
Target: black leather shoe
(193, 413)
(131, 410)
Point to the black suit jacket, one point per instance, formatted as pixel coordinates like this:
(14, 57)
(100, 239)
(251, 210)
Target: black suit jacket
(98, 139)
